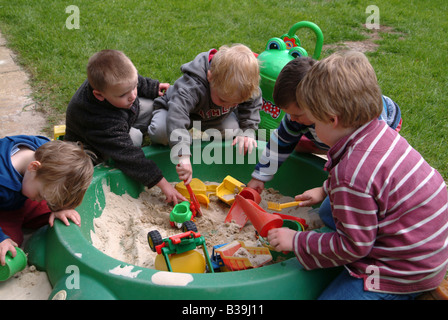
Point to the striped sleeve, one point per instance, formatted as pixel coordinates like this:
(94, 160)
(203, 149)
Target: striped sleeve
(281, 144)
(356, 224)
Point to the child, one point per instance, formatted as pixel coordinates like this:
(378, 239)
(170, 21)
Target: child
(296, 131)
(40, 180)
(218, 88)
(106, 114)
(388, 204)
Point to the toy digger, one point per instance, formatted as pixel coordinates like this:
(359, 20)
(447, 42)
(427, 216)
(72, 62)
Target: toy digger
(181, 246)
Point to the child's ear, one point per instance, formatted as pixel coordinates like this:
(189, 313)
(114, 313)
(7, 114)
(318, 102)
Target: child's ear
(98, 95)
(33, 165)
(335, 121)
(209, 76)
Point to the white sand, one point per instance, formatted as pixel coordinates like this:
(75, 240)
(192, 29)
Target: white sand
(121, 231)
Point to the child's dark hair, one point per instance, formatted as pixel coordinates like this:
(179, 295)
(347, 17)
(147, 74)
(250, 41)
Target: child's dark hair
(292, 73)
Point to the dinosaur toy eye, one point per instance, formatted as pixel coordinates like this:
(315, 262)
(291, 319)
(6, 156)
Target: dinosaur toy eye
(276, 44)
(298, 52)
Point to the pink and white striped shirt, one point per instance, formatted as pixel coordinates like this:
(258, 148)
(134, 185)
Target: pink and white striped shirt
(390, 210)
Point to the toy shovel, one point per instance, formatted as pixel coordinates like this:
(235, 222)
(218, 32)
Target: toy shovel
(194, 203)
(280, 206)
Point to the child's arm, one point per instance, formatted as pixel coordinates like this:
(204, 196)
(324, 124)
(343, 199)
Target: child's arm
(249, 114)
(147, 87)
(282, 143)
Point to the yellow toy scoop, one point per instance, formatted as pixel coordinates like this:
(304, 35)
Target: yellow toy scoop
(280, 206)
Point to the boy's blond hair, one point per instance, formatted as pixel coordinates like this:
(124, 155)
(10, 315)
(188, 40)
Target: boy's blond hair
(108, 68)
(235, 72)
(343, 85)
(66, 171)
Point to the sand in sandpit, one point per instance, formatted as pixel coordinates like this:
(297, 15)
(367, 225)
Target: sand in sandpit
(121, 230)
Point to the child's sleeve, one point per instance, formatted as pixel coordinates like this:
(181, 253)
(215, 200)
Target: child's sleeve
(249, 115)
(3, 236)
(355, 215)
(281, 144)
(180, 105)
(147, 87)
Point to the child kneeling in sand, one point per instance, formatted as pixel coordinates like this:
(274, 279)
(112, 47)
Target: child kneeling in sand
(389, 205)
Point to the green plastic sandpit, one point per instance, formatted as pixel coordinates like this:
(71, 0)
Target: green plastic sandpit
(79, 271)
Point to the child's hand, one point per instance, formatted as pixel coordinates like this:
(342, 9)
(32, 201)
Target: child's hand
(281, 239)
(184, 169)
(64, 216)
(256, 184)
(311, 197)
(245, 143)
(172, 195)
(162, 88)
(5, 246)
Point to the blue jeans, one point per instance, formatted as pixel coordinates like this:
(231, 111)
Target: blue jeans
(346, 287)
(326, 215)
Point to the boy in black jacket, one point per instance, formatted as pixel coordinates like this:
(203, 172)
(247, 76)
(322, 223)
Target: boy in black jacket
(107, 113)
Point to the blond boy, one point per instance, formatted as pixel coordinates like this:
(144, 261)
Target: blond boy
(41, 180)
(220, 90)
(388, 204)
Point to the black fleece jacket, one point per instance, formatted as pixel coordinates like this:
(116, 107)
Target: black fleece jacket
(104, 129)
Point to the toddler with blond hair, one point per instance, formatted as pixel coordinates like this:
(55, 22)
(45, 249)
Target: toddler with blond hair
(220, 89)
(40, 180)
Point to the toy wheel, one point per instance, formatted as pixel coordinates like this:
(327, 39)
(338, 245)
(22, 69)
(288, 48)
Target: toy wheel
(189, 226)
(154, 239)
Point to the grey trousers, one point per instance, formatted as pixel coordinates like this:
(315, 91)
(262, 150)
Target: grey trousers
(143, 120)
(158, 132)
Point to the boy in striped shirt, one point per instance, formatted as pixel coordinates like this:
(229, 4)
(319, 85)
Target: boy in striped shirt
(389, 205)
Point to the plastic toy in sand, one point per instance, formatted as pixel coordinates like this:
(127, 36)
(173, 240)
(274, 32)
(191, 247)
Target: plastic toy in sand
(13, 265)
(227, 190)
(178, 251)
(180, 214)
(236, 256)
(278, 52)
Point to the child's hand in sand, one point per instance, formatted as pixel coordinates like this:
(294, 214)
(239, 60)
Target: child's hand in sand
(172, 195)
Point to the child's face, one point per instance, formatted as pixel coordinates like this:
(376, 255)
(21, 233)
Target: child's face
(223, 101)
(297, 114)
(32, 188)
(329, 132)
(120, 95)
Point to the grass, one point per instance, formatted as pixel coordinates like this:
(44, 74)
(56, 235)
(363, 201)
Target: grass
(159, 36)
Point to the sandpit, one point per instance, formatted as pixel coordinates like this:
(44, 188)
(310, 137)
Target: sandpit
(121, 230)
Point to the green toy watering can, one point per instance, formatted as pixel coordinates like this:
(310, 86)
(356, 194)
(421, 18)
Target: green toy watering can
(278, 52)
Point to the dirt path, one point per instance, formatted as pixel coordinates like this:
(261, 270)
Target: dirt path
(17, 108)
(18, 116)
